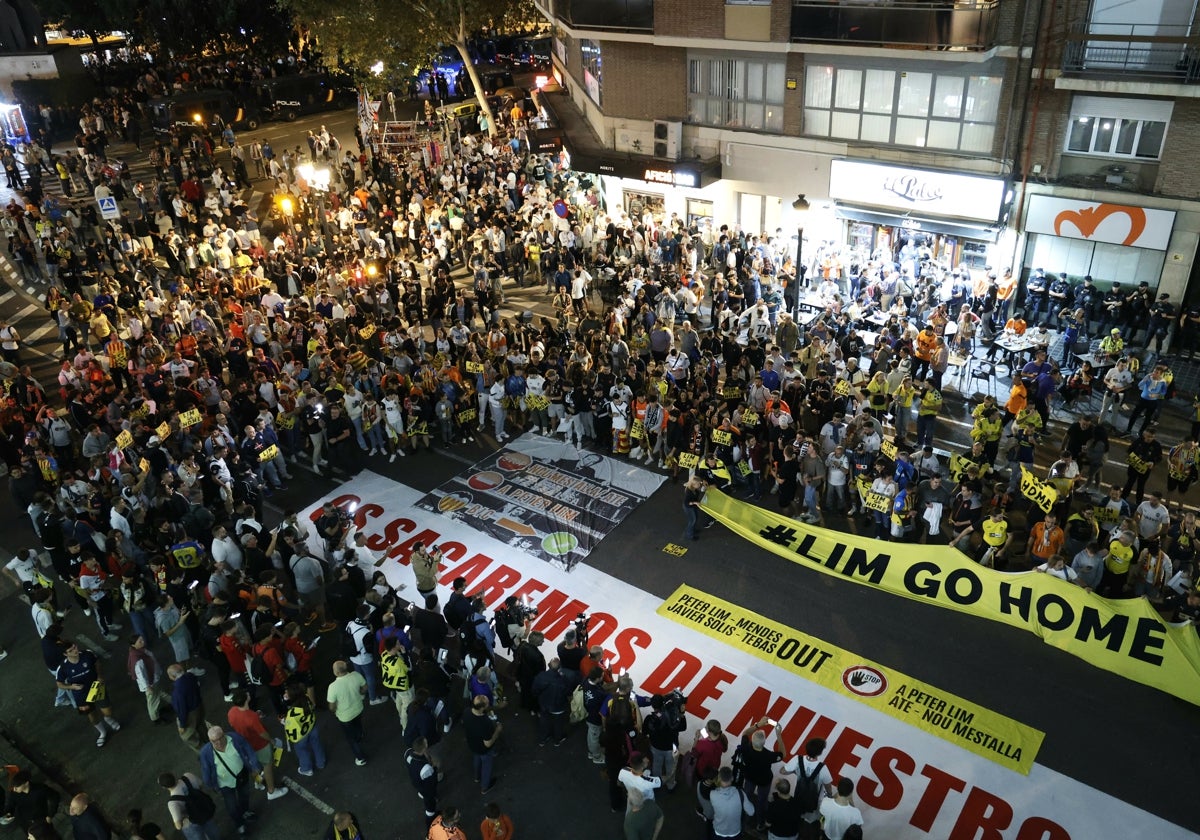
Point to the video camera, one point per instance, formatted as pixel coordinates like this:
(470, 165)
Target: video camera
(673, 709)
(581, 629)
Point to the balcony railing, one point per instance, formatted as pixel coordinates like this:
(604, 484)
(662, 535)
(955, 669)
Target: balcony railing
(611, 15)
(938, 25)
(1146, 50)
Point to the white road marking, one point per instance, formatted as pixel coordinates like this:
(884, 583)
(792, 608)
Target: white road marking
(43, 330)
(310, 798)
(94, 647)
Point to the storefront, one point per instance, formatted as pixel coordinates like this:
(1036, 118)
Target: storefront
(640, 185)
(894, 213)
(1111, 242)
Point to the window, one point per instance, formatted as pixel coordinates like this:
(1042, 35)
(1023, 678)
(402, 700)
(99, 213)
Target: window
(593, 71)
(1123, 128)
(935, 110)
(736, 92)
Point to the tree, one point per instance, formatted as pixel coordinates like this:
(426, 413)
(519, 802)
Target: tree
(93, 17)
(402, 33)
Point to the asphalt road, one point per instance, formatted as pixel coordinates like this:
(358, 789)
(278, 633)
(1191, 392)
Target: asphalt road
(1100, 728)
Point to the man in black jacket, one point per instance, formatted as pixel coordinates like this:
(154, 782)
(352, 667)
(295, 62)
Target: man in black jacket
(28, 802)
(553, 691)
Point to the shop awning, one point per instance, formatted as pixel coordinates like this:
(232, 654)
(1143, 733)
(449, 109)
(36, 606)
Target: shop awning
(946, 227)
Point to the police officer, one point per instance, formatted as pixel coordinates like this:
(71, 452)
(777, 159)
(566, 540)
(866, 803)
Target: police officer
(1112, 308)
(1062, 296)
(1035, 295)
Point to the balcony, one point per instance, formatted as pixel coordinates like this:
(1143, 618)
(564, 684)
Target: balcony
(940, 25)
(1150, 51)
(604, 15)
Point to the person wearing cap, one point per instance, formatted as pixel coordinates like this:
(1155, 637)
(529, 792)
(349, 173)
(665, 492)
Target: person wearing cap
(1035, 294)
(1112, 344)
(1162, 313)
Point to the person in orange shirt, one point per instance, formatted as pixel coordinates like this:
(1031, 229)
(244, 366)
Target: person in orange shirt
(1004, 294)
(1016, 324)
(1045, 540)
(496, 824)
(923, 352)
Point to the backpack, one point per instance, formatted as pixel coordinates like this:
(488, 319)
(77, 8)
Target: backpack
(197, 804)
(738, 764)
(256, 669)
(808, 789)
(350, 643)
(501, 621)
(853, 832)
(470, 641)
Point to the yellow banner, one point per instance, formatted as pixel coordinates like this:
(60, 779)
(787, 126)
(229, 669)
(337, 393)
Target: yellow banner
(474, 367)
(1137, 463)
(1041, 493)
(976, 729)
(1127, 636)
(870, 499)
(536, 402)
(961, 465)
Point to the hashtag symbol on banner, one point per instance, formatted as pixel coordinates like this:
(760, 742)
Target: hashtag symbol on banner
(779, 534)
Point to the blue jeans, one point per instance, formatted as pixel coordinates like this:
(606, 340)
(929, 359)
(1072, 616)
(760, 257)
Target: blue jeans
(368, 672)
(310, 752)
(483, 767)
(237, 802)
(207, 831)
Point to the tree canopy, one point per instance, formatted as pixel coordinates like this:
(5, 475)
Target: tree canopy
(403, 34)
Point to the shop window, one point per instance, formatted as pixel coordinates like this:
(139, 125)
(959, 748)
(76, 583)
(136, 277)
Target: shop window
(593, 68)
(1106, 126)
(939, 110)
(736, 92)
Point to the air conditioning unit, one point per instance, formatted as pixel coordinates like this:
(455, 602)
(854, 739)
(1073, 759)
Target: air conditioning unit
(668, 139)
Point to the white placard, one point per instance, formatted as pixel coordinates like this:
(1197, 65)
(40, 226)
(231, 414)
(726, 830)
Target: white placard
(920, 191)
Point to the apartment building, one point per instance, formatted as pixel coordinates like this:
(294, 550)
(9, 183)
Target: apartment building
(1023, 133)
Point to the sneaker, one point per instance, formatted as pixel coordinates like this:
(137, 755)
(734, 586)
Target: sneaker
(197, 672)
(599, 759)
(378, 700)
(243, 830)
(373, 451)
(3, 655)
(102, 740)
(361, 762)
(87, 612)
(305, 772)
(259, 786)
(7, 819)
(560, 742)
(537, 430)
(326, 627)
(109, 637)
(115, 626)
(278, 792)
(112, 724)
(228, 698)
(249, 815)
(495, 781)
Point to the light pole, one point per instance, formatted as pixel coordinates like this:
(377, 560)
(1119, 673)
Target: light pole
(800, 207)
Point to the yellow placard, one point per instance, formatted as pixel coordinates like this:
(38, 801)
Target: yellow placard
(143, 465)
(841, 388)
(721, 437)
(638, 430)
(888, 448)
(1137, 463)
(46, 468)
(163, 431)
(731, 392)
(1125, 636)
(367, 331)
(190, 418)
(124, 439)
(960, 465)
(1041, 493)
(139, 413)
(267, 454)
(674, 550)
(285, 421)
(689, 460)
(1106, 515)
(977, 729)
(474, 367)
(467, 415)
(871, 500)
(750, 418)
(536, 402)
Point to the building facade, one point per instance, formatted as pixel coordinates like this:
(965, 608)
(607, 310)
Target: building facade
(1022, 133)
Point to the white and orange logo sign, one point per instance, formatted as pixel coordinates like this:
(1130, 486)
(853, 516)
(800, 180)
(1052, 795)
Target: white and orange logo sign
(1096, 221)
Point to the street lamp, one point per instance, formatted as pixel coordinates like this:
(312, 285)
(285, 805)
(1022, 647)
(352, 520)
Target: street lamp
(317, 179)
(800, 208)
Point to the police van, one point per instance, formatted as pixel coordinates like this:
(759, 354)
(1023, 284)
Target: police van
(208, 110)
(288, 97)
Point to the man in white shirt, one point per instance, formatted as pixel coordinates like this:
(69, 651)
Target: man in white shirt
(839, 812)
(1116, 382)
(637, 776)
(225, 549)
(808, 767)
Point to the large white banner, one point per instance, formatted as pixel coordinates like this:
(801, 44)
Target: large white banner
(1099, 221)
(910, 784)
(917, 190)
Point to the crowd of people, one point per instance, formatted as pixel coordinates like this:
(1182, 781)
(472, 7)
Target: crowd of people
(207, 359)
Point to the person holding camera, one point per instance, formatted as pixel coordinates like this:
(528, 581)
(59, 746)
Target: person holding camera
(662, 726)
